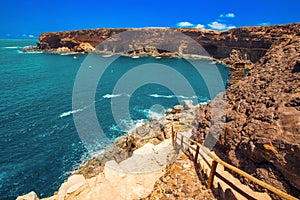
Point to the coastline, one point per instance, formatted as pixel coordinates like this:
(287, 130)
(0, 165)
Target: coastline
(153, 132)
(110, 53)
(238, 63)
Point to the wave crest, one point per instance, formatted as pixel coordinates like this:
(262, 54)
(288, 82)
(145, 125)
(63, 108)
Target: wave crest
(69, 113)
(13, 47)
(171, 96)
(109, 96)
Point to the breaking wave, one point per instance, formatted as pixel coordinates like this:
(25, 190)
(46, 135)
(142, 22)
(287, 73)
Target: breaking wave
(172, 96)
(70, 112)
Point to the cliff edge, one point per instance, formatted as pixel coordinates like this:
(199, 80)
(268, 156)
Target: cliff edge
(251, 42)
(261, 134)
(262, 123)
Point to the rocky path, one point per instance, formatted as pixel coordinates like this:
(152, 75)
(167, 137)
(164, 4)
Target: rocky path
(181, 182)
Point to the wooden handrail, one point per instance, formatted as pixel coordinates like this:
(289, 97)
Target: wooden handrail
(217, 160)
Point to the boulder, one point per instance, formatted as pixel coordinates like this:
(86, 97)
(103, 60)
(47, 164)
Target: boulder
(63, 50)
(178, 108)
(73, 183)
(84, 47)
(188, 104)
(30, 196)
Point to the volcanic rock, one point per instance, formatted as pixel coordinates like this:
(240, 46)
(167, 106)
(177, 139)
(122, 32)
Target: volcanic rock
(261, 133)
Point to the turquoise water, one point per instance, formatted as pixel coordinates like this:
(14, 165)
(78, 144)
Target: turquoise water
(39, 144)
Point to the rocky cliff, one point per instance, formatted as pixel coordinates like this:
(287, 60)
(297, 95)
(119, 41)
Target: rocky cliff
(261, 134)
(262, 123)
(251, 42)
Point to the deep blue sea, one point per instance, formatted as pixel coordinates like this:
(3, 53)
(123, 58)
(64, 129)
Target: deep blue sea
(39, 144)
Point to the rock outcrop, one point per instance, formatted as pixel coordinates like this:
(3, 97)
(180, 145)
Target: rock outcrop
(251, 42)
(154, 132)
(30, 196)
(261, 134)
(239, 48)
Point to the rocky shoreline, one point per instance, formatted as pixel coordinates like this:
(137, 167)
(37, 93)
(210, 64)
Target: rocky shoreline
(238, 48)
(252, 42)
(261, 133)
(153, 132)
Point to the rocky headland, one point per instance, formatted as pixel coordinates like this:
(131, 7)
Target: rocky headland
(251, 42)
(239, 48)
(261, 133)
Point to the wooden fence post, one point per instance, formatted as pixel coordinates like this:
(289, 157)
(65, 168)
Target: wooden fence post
(181, 142)
(173, 136)
(212, 174)
(196, 154)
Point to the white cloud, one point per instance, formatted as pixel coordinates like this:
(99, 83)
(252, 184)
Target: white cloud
(264, 24)
(185, 24)
(201, 26)
(154, 27)
(29, 35)
(231, 27)
(219, 26)
(228, 15)
(214, 25)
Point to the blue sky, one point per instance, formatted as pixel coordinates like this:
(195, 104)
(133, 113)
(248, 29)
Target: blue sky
(26, 19)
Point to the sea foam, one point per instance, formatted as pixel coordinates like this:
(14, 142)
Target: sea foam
(109, 96)
(13, 47)
(172, 96)
(161, 96)
(70, 112)
(30, 52)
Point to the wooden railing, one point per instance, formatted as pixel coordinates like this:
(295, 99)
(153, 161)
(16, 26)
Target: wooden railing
(216, 160)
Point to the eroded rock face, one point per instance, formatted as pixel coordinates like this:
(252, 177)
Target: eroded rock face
(251, 42)
(261, 134)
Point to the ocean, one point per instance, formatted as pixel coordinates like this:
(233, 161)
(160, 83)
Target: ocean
(39, 143)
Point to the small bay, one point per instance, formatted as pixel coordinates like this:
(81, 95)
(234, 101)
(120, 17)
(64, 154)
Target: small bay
(39, 144)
